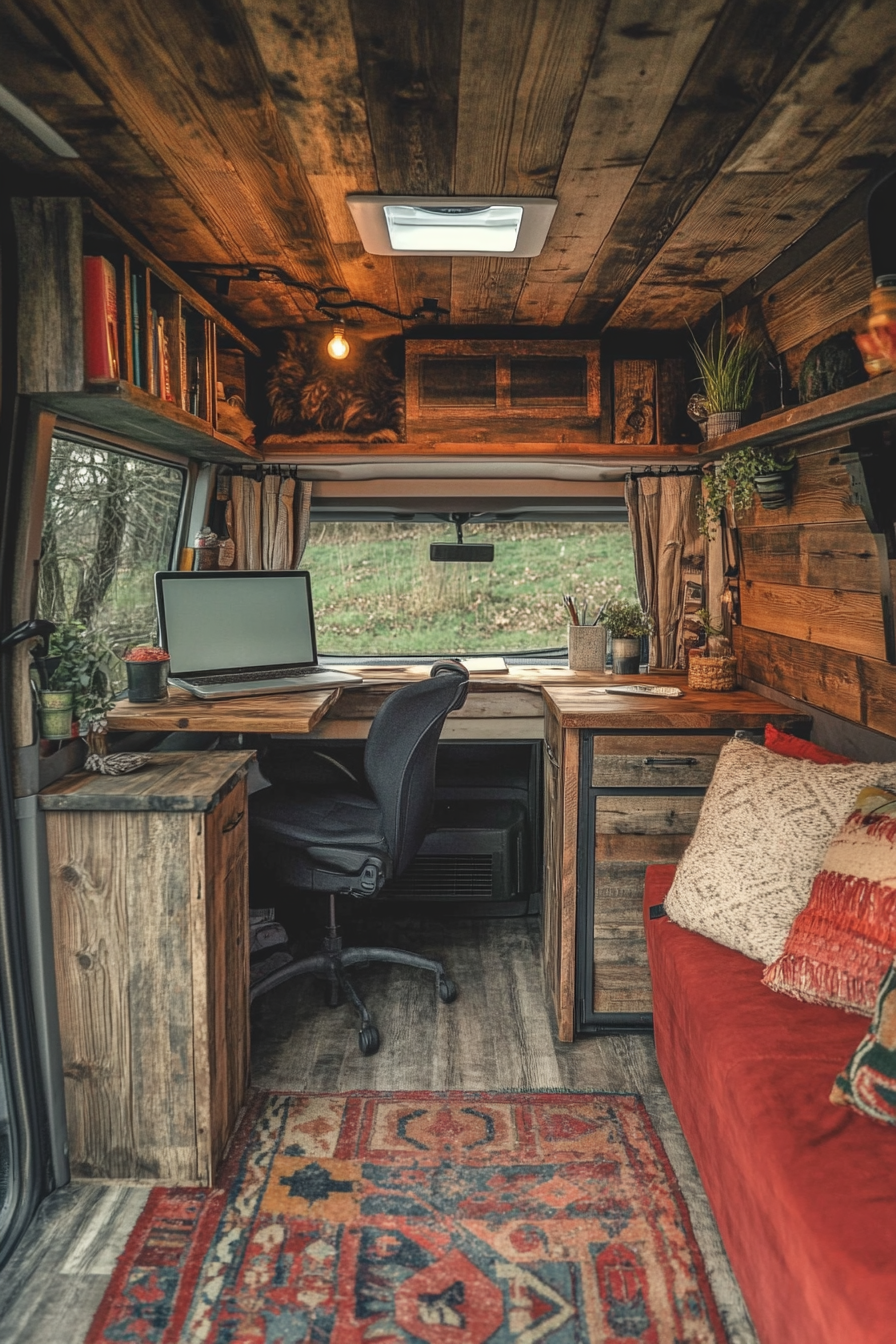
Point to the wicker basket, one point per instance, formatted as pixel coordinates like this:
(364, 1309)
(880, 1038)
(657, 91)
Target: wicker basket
(711, 674)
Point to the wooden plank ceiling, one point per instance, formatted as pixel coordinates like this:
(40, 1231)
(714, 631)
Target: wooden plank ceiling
(689, 142)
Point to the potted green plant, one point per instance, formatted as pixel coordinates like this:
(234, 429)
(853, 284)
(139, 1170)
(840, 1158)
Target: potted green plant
(727, 367)
(626, 624)
(79, 682)
(737, 476)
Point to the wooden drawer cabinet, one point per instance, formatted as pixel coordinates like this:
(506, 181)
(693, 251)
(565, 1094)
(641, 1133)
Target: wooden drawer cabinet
(642, 800)
(624, 782)
(149, 893)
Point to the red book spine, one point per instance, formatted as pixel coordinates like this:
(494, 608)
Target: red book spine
(100, 319)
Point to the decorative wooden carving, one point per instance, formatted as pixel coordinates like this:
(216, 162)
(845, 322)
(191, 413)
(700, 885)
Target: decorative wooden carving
(634, 401)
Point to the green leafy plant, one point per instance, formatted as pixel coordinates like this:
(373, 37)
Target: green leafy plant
(731, 478)
(626, 620)
(727, 367)
(85, 669)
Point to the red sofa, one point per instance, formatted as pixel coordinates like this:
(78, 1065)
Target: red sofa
(804, 1192)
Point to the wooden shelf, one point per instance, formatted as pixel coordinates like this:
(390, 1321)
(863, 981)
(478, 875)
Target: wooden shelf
(129, 410)
(283, 448)
(869, 401)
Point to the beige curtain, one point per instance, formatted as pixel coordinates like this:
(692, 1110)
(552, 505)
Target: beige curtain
(669, 560)
(268, 520)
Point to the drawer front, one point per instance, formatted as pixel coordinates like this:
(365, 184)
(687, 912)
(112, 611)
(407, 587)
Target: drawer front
(683, 761)
(647, 814)
(622, 989)
(631, 831)
(654, 770)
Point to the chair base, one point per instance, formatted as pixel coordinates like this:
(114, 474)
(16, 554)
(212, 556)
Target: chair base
(331, 963)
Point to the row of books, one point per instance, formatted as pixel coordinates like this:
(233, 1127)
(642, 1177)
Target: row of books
(101, 351)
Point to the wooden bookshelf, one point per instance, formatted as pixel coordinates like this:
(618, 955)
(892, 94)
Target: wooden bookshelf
(125, 409)
(874, 400)
(167, 332)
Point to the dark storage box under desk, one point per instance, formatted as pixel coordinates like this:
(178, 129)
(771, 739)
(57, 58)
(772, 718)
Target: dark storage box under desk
(149, 895)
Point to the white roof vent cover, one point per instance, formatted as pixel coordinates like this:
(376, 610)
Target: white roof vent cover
(452, 226)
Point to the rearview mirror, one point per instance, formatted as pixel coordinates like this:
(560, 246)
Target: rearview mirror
(460, 550)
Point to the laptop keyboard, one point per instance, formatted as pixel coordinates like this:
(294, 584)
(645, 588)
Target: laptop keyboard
(226, 678)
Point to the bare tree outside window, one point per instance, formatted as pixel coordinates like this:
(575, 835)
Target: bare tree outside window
(110, 523)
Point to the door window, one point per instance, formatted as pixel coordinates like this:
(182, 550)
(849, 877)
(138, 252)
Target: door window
(111, 521)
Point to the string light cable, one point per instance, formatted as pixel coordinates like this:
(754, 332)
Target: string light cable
(330, 300)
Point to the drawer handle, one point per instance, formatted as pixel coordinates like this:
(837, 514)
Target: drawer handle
(670, 760)
(233, 823)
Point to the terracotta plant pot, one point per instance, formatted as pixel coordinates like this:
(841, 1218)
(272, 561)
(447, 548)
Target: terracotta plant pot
(56, 708)
(723, 422)
(627, 656)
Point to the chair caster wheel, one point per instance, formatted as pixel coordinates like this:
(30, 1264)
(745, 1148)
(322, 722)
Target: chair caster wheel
(368, 1040)
(447, 990)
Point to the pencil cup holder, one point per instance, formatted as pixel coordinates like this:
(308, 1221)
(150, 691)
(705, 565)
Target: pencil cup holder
(587, 646)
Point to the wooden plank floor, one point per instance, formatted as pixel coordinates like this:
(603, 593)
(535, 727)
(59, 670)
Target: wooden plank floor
(498, 1035)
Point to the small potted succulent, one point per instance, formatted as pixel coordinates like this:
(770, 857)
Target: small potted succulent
(737, 476)
(727, 367)
(147, 668)
(626, 624)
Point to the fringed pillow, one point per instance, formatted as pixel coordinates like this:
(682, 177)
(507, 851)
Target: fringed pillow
(842, 943)
(869, 1080)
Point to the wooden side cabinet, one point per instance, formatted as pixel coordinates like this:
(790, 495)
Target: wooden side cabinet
(149, 894)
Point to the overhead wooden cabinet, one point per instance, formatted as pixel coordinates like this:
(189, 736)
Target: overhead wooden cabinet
(149, 890)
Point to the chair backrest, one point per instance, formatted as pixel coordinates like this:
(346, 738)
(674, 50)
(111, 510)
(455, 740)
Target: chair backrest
(400, 757)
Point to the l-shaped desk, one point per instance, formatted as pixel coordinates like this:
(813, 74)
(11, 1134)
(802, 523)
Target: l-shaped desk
(624, 778)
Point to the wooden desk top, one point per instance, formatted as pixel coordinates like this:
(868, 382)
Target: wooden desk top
(173, 781)
(292, 712)
(574, 698)
(583, 706)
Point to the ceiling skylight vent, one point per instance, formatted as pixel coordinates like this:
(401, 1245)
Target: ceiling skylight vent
(452, 226)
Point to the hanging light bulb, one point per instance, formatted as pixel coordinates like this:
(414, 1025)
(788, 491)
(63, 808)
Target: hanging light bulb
(338, 347)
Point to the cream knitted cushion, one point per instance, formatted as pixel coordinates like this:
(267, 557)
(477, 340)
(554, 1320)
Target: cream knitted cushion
(762, 835)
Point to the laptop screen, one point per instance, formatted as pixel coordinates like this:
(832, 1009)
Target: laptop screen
(217, 621)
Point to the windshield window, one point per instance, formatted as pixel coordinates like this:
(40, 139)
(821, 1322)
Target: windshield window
(110, 523)
(376, 591)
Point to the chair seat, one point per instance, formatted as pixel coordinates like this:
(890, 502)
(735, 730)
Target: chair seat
(343, 820)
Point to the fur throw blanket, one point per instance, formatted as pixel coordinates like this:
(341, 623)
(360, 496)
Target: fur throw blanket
(315, 397)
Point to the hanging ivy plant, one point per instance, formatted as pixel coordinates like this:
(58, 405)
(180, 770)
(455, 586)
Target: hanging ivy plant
(731, 478)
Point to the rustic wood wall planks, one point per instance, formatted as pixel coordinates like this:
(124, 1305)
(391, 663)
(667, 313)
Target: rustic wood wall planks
(812, 621)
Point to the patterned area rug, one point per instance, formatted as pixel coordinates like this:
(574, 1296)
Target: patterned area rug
(452, 1218)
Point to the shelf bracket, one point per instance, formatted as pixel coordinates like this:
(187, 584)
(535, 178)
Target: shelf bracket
(872, 479)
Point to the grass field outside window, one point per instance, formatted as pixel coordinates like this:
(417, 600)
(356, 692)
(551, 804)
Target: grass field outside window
(377, 592)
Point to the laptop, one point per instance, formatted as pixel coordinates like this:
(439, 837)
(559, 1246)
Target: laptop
(244, 633)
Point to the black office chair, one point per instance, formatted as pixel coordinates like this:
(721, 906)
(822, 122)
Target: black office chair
(350, 844)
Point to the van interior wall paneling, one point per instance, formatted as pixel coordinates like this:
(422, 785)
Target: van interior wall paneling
(810, 588)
